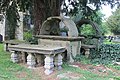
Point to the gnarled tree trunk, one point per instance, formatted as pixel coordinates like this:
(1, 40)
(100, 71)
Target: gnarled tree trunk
(44, 9)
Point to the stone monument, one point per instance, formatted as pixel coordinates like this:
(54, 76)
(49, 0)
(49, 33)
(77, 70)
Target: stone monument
(2, 26)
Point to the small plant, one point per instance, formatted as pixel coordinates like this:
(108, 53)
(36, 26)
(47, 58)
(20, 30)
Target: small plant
(28, 36)
(116, 78)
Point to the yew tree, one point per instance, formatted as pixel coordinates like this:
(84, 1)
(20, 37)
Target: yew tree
(41, 9)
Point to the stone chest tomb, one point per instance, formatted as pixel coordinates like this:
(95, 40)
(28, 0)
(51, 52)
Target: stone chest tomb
(50, 34)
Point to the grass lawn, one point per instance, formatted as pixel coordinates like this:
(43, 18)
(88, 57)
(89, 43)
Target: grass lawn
(13, 71)
(92, 74)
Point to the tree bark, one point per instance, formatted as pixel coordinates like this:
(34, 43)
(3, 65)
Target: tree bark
(44, 9)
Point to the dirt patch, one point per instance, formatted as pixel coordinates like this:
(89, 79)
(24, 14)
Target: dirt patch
(21, 74)
(101, 70)
(40, 72)
(69, 76)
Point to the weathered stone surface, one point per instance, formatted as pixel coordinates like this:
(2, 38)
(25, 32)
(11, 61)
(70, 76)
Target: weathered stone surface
(71, 42)
(87, 49)
(72, 47)
(12, 42)
(46, 26)
(31, 60)
(48, 64)
(19, 30)
(58, 61)
(14, 57)
(73, 32)
(87, 52)
(48, 51)
(2, 26)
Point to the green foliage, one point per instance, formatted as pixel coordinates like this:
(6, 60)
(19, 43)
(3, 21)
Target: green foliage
(29, 37)
(87, 30)
(105, 28)
(10, 9)
(113, 22)
(83, 6)
(107, 53)
(12, 17)
(82, 58)
(114, 66)
(117, 78)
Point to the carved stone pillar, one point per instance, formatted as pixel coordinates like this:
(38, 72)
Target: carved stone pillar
(58, 61)
(87, 52)
(14, 57)
(31, 60)
(6, 47)
(48, 64)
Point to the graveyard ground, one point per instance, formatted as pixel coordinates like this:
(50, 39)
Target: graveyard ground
(75, 71)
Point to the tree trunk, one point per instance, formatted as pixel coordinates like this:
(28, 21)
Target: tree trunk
(44, 9)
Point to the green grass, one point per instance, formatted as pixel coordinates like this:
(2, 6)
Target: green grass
(117, 67)
(12, 71)
(112, 42)
(87, 75)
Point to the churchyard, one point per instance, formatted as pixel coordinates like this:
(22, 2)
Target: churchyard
(59, 40)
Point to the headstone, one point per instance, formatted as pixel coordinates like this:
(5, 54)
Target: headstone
(19, 31)
(2, 26)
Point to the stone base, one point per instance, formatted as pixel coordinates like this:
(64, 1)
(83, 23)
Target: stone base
(14, 57)
(31, 61)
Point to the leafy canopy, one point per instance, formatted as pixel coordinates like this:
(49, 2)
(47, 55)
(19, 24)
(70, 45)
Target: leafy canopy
(113, 22)
(11, 8)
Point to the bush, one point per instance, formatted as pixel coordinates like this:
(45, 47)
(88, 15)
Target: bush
(27, 36)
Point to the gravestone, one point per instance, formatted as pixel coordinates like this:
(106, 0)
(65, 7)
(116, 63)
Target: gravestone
(71, 42)
(2, 27)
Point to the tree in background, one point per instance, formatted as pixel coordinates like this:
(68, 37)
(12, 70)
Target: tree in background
(113, 22)
(94, 18)
(41, 9)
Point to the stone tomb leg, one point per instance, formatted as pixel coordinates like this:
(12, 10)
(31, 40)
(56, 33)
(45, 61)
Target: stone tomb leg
(36, 49)
(14, 57)
(58, 61)
(48, 64)
(31, 60)
(87, 52)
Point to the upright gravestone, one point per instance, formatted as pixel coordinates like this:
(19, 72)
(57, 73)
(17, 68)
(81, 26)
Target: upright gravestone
(2, 27)
(19, 30)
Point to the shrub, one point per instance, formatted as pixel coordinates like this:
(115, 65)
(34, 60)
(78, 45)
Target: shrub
(27, 36)
(107, 53)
